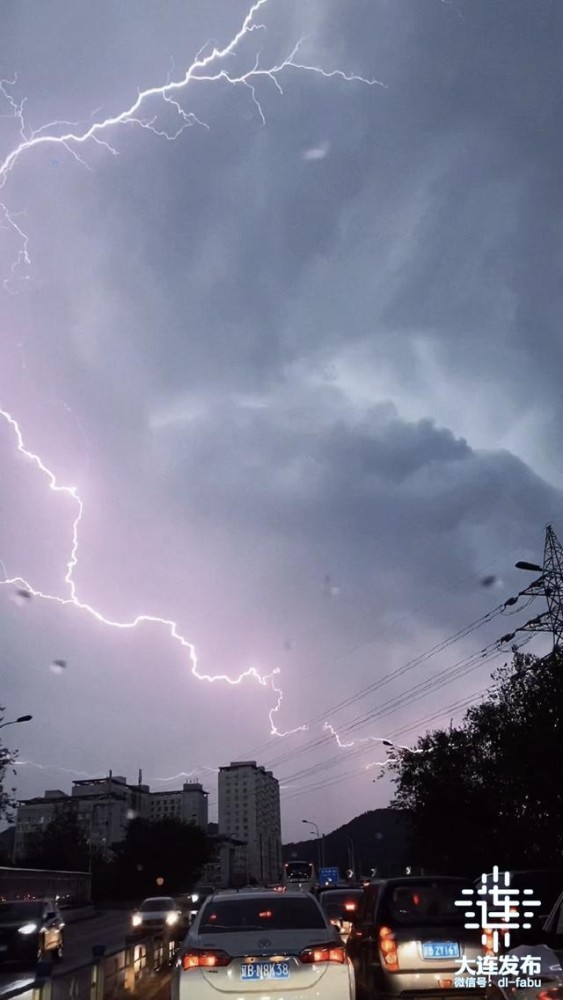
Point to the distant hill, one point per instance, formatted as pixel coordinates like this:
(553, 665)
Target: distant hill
(380, 838)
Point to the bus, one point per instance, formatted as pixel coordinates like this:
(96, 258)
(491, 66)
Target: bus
(70, 889)
(300, 876)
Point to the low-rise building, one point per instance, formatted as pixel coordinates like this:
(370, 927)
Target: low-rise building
(188, 804)
(104, 807)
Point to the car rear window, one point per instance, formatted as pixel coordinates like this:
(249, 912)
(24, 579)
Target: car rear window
(425, 903)
(281, 913)
(340, 904)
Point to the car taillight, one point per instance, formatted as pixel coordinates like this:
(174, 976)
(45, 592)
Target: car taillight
(388, 948)
(205, 959)
(551, 993)
(322, 953)
(349, 907)
(489, 941)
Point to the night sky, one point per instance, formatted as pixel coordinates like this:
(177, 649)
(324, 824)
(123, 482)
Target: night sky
(295, 342)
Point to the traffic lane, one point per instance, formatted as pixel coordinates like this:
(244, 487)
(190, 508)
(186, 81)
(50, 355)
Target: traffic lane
(108, 928)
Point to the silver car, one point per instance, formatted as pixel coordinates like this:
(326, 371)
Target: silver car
(156, 915)
(545, 983)
(254, 944)
(408, 938)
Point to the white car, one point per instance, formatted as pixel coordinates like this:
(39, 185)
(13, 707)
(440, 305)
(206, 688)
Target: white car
(158, 913)
(255, 945)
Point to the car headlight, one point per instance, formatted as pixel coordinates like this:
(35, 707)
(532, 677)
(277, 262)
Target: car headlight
(27, 929)
(136, 919)
(195, 897)
(171, 918)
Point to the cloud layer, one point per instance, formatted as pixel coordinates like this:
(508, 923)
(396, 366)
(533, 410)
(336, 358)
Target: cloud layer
(268, 355)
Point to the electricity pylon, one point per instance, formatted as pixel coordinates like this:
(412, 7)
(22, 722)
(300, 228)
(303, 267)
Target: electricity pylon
(550, 586)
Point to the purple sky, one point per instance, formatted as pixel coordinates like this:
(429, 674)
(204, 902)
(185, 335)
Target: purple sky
(303, 374)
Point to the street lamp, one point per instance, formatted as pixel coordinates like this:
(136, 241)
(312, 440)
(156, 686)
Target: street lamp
(351, 858)
(21, 718)
(532, 567)
(319, 838)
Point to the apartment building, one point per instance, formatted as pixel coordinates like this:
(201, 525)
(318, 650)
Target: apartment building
(188, 804)
(249, 810)
(104, 806)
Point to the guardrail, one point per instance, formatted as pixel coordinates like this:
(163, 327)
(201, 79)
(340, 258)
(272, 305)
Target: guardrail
(109, 976)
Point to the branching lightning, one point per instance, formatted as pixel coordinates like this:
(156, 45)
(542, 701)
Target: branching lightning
(72, 599)
(209, 68)
(75, 138)
(366, 740)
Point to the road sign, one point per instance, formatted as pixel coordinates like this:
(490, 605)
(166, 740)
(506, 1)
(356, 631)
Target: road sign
(328, 875)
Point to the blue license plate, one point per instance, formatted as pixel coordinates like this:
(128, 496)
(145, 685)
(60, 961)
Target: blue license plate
(440, 949)
(264, 970)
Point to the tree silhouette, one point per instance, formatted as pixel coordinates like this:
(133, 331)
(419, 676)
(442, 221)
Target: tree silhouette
(62, 845)
(7, 760)
(489, 791)
(167, 850)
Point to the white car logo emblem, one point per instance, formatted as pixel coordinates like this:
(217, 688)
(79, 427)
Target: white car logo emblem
(264, 942)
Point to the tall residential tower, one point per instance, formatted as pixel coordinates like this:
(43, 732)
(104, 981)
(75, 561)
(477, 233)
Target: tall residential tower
(249, 809)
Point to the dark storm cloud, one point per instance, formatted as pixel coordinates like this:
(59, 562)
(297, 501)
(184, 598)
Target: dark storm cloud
(272, 354)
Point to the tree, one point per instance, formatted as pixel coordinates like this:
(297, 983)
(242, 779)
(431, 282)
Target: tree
(62, 845)
(166, 849)
(489, 791)
(7, 760)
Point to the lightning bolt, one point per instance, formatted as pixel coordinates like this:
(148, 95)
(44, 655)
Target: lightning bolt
(368, 739)
(52, 767)
(73, 599)
(75, 138)
(209, 68)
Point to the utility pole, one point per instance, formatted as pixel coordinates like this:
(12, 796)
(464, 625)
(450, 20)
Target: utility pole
(549, 586)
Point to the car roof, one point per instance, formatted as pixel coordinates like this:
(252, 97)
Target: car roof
(342, 890)
(526, 871)
(158, 899)
(262, 893)
(426, 879)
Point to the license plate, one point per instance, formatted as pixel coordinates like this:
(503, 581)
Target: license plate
(440, 949)
(264, 970)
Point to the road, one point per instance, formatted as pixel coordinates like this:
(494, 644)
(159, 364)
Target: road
(107, 928)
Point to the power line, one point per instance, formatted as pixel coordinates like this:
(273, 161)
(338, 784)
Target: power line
(336, 779)
(445, 677)
(381, 682)
(321, 717)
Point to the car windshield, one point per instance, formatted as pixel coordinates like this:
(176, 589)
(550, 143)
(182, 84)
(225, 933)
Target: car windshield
(157, 905)
(425, 903)
(266, 913)
(340, 903)
(21, 910)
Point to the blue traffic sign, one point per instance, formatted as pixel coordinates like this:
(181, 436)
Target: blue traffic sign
(327, 875)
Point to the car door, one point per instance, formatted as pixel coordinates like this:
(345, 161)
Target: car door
(360, 942)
